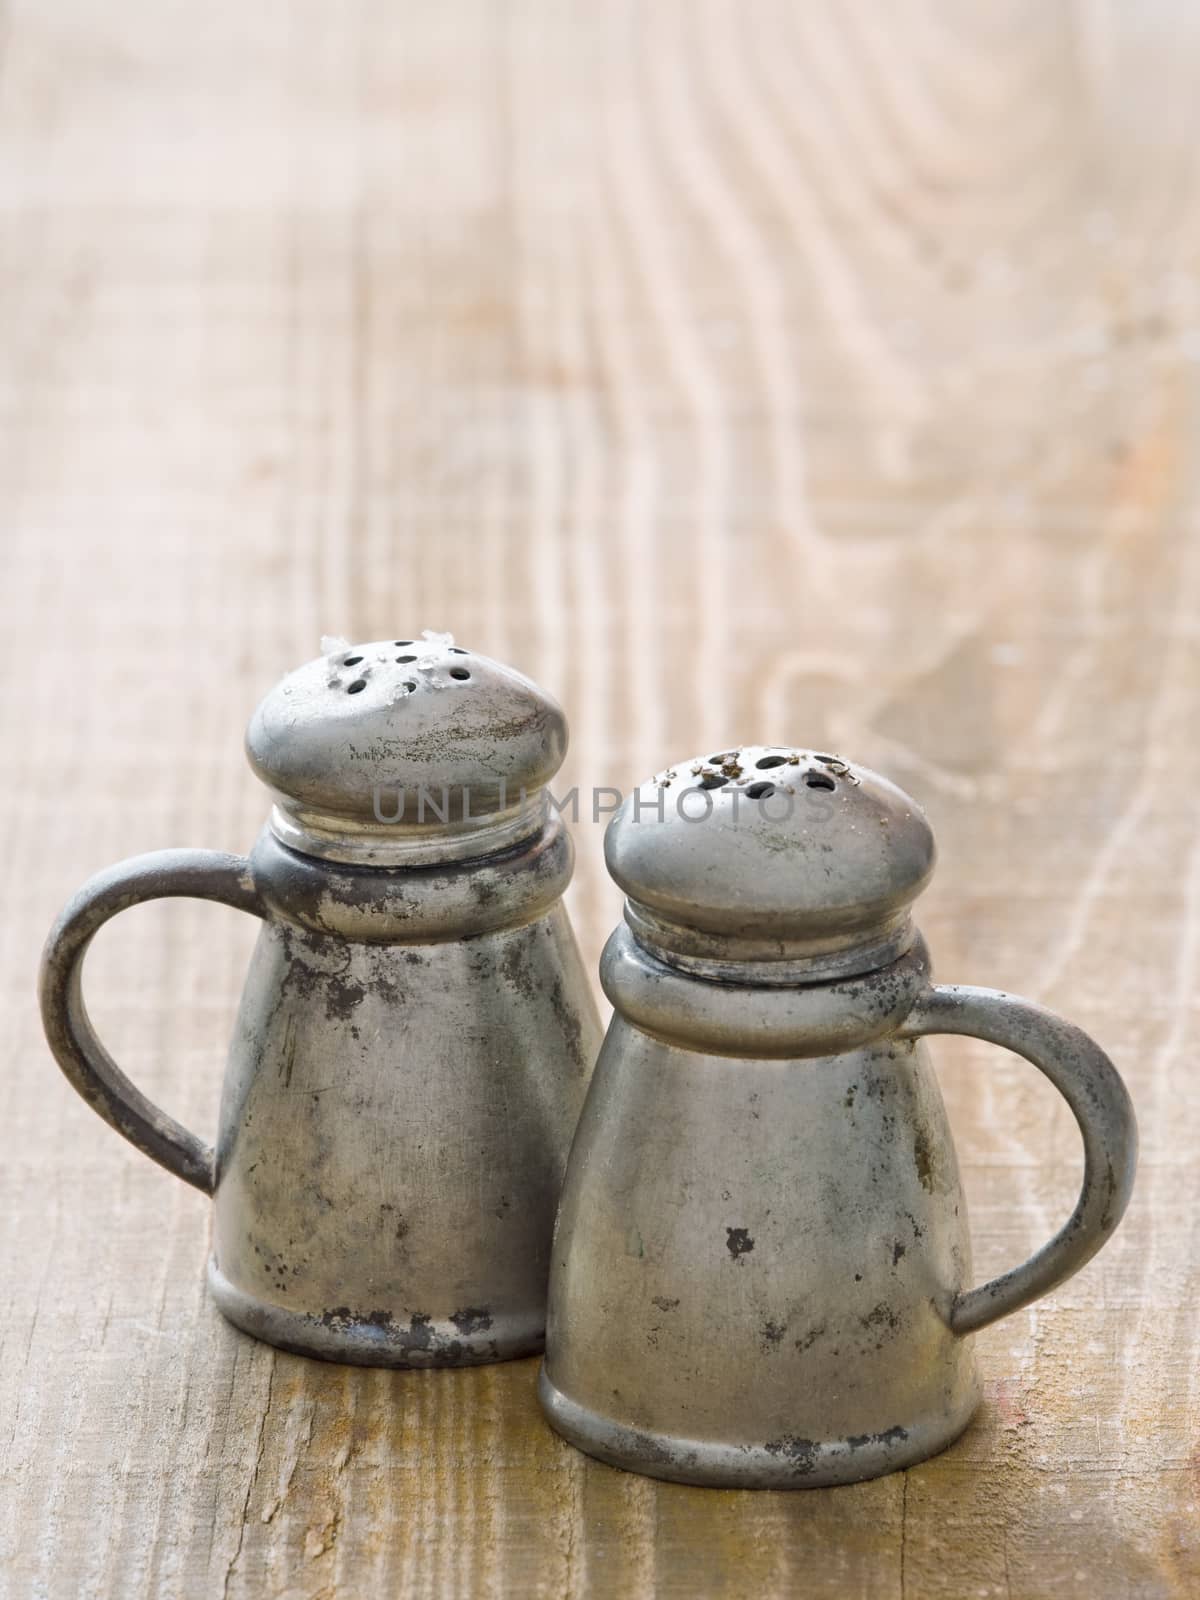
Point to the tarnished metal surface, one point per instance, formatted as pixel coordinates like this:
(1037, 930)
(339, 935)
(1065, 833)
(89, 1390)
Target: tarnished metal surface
(762, 1267)
(414, 1039)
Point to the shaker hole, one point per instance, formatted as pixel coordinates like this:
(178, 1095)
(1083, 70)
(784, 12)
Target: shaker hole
(771, 761)
(351, 661)
(727, 755)
(405, 658)
(400, 643)
(712, 780)
(410, 685)
(760, 791)
(460, 673)
(819, 780)
(456, 651)
(357, 686)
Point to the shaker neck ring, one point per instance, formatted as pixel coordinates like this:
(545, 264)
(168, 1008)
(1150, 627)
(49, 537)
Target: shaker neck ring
(758, 961)
(384, 844)
(752, 1019)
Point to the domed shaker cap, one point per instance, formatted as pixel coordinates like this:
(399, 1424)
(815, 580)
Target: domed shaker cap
(791, 858)
(405, 751)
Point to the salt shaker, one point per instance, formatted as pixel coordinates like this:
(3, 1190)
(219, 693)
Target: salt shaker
(761, 1269)
(416, 1030)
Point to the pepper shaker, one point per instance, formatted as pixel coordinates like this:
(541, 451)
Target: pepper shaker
(416, 1029)
(761, 1270)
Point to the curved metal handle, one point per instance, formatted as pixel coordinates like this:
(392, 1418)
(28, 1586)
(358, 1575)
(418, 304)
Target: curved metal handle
(1091, 1086)
(201, 874)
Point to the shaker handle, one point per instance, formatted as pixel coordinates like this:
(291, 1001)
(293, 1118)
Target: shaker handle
(1093, 1089)
(201, 874)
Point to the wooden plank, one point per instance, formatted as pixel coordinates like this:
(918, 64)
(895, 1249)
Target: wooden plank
(761, 371)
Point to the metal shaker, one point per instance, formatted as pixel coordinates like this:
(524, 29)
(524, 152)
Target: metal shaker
(761, 1270)
(416, 1029)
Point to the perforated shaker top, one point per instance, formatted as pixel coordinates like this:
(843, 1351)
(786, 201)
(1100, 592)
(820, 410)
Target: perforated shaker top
(780, 851)
(403, 748)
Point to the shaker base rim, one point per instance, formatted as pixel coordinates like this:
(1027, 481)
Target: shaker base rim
(786, 1463)
(375, 1342)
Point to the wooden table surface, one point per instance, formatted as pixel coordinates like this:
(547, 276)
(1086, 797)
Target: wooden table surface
(826, 373)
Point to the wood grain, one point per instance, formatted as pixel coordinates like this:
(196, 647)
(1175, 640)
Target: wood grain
(824, 373)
